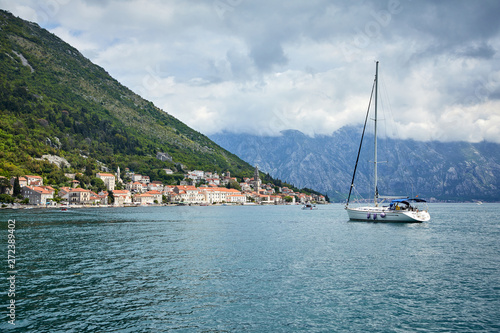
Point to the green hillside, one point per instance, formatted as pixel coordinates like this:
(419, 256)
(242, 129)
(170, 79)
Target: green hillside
(55, 101)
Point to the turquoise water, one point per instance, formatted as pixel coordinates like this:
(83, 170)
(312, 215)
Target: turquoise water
(252, 269)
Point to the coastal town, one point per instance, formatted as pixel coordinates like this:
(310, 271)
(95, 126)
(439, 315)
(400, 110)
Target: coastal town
(197, 188)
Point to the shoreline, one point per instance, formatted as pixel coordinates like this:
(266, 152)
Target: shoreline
(59, 207)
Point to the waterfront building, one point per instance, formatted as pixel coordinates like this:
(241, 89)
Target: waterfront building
(37, 195)
(108, 179)
(78, 196)
(122, 197)
(144, 199)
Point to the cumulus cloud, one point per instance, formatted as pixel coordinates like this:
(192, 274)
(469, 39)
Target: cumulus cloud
(265, 66)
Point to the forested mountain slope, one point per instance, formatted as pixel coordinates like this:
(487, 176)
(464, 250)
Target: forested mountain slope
(55, 101)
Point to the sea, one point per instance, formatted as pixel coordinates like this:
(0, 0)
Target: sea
(248, 269)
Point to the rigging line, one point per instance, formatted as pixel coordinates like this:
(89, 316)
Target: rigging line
(387, 121)
(361, 143)
(387, 108)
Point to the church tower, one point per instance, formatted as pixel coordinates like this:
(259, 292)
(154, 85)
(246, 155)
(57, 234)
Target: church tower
(118, 179)
(256, 180)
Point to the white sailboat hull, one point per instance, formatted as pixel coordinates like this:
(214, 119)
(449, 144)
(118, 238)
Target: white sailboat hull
(384, 214)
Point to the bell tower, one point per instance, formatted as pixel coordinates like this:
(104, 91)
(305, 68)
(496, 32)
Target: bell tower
(256, 179)
(118, 179)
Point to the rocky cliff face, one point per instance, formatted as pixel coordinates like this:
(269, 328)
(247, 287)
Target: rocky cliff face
(445, 171)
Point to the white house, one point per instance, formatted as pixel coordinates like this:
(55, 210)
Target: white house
(145, 180)
(108, 179)
(78, 196)
(34, 180)
(236, 198)
(213, 181)
(190, 194)
(143, 199)
(221, 194)
(136, 177)
(157, 195)
(122, 197)
(136, 187)
(155, 186)
(245, 187)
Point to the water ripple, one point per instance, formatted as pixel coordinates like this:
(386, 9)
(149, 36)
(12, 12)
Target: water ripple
(255, 269)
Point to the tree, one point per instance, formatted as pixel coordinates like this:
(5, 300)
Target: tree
(97, 184)
(89, 168)
(6, 198)
(233, 184)
(111, 198)
(17, 187)
(84, 180)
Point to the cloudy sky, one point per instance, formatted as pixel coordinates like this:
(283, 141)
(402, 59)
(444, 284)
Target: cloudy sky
(262, 66)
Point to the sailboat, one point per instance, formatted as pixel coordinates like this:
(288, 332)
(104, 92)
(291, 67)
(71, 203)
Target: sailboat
(400, 209)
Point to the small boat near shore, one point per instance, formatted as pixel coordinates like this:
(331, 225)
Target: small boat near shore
(309, 206)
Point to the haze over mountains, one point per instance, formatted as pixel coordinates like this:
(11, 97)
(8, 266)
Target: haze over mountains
(444, 171)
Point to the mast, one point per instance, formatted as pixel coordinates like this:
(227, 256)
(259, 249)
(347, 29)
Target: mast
(360, 145)
(375, 136)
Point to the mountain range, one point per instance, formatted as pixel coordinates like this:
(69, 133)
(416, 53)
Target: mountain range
(453, 171)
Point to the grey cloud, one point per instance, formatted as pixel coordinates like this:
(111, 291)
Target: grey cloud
(483, 50)
(239, 65)
(268, 54)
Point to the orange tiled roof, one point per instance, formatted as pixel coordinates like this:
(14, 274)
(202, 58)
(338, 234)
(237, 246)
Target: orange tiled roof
(105, 174)
(187, 187)
(48, 188)
(121, 192)
(39, 190)
(153, 192)
(78, 189)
